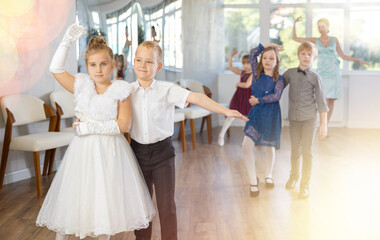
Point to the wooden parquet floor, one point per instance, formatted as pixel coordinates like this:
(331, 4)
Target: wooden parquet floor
(213, 201)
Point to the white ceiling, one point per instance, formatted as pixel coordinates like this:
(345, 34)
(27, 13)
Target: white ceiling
(143, 3)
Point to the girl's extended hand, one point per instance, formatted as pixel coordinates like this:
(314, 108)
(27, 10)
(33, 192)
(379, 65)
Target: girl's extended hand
(235, 114)
(73, 33)
(234, 53)
(75, 123)
(253, 100)
(298, 19)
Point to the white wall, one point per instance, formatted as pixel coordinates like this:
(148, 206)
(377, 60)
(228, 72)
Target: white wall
(20, 164)
(203, 41)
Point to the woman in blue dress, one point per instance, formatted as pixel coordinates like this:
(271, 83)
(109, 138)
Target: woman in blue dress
(328, 62)
(263, 130)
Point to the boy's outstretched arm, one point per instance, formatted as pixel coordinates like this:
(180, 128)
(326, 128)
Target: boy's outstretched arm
(207, 103)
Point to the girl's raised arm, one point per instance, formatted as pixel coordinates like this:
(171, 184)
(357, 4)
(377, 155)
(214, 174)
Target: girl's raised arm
(57, 66)
(233, 69)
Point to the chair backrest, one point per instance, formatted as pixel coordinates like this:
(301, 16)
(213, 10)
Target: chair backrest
(193, 85)
(25, 108)
(65, 99)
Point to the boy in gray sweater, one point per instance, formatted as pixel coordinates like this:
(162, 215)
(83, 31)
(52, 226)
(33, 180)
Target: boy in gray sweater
(306, 98)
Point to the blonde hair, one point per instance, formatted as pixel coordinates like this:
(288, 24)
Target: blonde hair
(308, 46)
(245, 59)
(276, 70)
(325, 21)
(97, 44)
(152, 45)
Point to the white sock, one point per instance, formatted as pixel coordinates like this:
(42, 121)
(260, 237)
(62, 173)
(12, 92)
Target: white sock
(104, 237)
(249, 159)
(59, 236)
(269, 160)
(227, 123)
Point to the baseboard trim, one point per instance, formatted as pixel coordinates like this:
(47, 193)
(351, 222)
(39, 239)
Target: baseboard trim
(23, 174)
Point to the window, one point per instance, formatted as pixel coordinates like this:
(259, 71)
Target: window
(163, 24)
(172, 45)
(242, 32)
(240, 1)
(364, 37)
(281, 32)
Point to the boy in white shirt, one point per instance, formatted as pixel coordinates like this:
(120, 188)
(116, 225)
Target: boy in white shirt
(153, 104)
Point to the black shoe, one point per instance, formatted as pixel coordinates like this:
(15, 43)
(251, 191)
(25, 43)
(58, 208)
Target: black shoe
(304, 193)
(291, 183)
(269, 182)
(255, 193)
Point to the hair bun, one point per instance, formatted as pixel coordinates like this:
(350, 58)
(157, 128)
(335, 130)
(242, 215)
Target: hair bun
(97, 42)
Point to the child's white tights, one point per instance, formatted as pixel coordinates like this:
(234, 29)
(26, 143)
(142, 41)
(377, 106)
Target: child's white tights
(227, 123)
(59, 236)
(251, 150)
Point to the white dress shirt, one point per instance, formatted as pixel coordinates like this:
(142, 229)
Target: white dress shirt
(153, 110)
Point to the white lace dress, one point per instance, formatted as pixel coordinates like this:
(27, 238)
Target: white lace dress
(98, 188)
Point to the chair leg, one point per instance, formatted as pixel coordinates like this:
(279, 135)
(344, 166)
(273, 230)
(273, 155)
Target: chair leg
(202, 125)
(37, 170)
(51, 163)
(4, 159)
(179, 132)
(182, 133)
(46, 162)
(192, 132)
(209, 129)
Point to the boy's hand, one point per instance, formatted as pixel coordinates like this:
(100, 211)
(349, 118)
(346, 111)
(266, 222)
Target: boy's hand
(253, 100)
(322, 131)
(235, 114)
(234, 53)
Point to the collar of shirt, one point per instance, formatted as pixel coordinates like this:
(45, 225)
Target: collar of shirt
(307, 70)
(152, 85)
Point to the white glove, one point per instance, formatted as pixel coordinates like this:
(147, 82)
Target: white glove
(73, 33)
(98, 128)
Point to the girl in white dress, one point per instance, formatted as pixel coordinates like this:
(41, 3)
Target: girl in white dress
(98, 190)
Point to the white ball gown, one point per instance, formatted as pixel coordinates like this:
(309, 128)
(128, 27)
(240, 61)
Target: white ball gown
(98, 188)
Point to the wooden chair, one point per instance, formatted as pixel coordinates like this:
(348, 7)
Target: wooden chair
(21, 110)
(64, 106)
(193, 112)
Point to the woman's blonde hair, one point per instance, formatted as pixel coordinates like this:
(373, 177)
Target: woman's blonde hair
(97, 44)
(325, 21)
(276, 70)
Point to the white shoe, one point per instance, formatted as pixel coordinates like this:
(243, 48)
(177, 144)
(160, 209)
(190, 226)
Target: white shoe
(220, 141)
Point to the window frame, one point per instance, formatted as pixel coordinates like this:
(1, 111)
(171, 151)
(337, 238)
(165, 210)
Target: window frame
(264, 7)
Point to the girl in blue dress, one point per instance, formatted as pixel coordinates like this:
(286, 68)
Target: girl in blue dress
(263, 130)
(328, 67)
